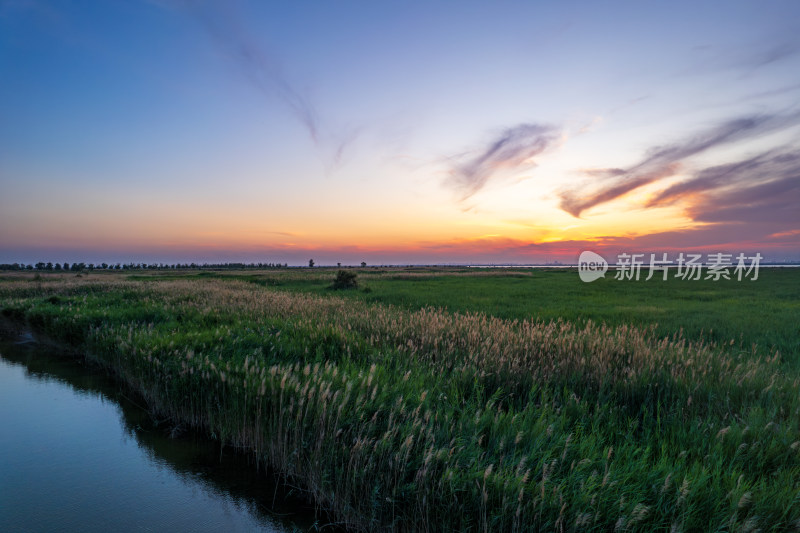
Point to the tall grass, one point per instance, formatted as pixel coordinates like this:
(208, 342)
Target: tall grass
(764, 312)
(432, 420)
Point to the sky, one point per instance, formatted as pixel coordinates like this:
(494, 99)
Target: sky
(397, 132)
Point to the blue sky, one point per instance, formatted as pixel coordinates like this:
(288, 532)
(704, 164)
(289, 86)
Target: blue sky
(396, 132)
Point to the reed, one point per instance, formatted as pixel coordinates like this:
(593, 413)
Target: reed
(432, 420)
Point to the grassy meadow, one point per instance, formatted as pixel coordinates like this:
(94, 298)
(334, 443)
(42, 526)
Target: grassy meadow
(467, 400)
(765, 312)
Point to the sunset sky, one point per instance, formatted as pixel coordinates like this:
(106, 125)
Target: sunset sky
(397, 132)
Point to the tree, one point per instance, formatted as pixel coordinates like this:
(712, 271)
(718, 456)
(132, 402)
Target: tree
(344, 280)
(363, 264)
(310, 263)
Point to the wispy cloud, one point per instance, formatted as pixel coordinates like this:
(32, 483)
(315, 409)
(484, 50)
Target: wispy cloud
(774, 202)
(744, 59)
(513, 150)
(665, 161)
(225, 26)
(772, 54)
(764, 167)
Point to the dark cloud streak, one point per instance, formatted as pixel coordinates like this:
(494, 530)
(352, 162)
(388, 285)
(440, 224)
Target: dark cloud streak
(761, 167)
(222, 23)
(224, 26)
(767, 56)
(774, 203)
(665, 161)
(512, 150)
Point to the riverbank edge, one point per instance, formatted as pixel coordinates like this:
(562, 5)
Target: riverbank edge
(16, 326)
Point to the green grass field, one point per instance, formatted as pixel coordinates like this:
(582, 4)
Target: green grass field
(765, 312)
(464, 400)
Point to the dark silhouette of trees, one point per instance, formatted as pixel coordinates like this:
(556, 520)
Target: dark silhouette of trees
(80, 266)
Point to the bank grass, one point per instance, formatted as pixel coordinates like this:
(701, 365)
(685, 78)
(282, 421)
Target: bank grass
(429, 419)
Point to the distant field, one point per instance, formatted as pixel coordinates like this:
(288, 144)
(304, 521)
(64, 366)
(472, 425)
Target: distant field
(765, 312)
(507, 411)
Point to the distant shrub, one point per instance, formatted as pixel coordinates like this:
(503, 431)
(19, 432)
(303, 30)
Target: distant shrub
(345, 280)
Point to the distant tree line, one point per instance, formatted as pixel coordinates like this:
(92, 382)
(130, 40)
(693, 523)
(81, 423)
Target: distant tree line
(80, 267)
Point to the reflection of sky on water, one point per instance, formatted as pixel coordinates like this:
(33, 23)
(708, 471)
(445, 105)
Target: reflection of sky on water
(77, 455)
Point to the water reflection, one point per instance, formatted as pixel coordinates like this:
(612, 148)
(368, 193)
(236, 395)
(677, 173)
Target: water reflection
(78, 454)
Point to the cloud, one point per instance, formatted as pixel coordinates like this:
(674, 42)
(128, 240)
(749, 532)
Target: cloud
(774, 202)
(603, 172)
(771, 92)
(772, 164)
(665, 161)
(745, 59)
(755, 199)
(224, 25)
(772, 54)
(514, 149)
(575, 204)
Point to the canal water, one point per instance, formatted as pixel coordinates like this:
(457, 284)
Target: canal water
(76, 454)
